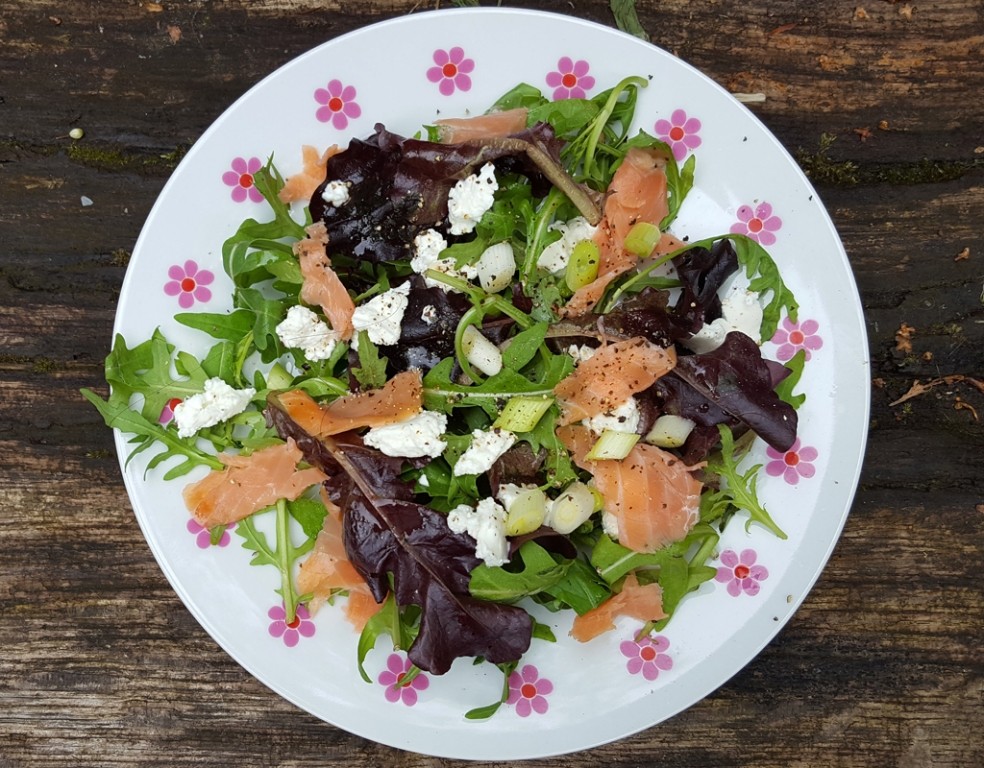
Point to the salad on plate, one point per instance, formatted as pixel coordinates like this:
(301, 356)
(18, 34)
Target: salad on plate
(475, 377)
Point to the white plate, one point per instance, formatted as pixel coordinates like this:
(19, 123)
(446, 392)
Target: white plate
(405, 73)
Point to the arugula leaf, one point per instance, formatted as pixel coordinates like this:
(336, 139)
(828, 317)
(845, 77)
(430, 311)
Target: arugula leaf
(540, 571)
(401, 626)
(738, 489)
(785, 387)
(524, 346)
(581, 588)
(283, 555)
(763, 275)
(483, 713)
(626, 18)
(230, 326)
(371, 372)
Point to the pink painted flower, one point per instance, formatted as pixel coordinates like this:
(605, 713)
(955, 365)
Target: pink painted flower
(240, 178)
(647, 656)
(203, 537)
(571, 79)
(740, 572)
(759, 224)
(338, 104)
(167, 412)
(795, 463)
(293, 631)
(792, 337)
(188, 283)
(528, 691)
(680, 132)
(451, 71)
(393, 677)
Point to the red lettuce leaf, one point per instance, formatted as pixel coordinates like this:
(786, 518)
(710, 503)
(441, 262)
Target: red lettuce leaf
(394, 542)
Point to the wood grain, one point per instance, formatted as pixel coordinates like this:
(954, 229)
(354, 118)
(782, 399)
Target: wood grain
(101, 665)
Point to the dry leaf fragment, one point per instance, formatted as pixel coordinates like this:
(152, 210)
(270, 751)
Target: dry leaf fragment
(903, 338)
(153, 7)
(878, 383)
(963, 255)
(783, 28)
(860, 14)
(883, 125)
(906, 11)
(961, 405)
(174, 32)
(863, 133)
(918, 388)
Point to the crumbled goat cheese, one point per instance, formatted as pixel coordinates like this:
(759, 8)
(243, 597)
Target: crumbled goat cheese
(487, 525)
(554, 257)
(740, 311)
(485, 449)
(219, 402)
(417, 436)
(302, 329)
(381, 317)
(429, 314)
(580, 353)
(336, 193)
(427, 255)
(470, 198)
(624, 418)
(609, 524)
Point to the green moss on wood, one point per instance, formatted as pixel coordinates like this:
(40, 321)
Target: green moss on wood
(111, 158)
(822, 169)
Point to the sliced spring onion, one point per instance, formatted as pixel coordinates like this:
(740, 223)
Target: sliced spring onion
(612, 445)
(642, 239)
(496, 267)
(481, 352)
(669, 431)
(278, 378)
(582, 267)
(526, 512)
(569, 510)
(521, 414)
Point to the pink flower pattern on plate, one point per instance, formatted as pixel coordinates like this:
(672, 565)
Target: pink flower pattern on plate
(338, 104)
(203, 537)
(647, 656)
(452, 70)
(240, 178)
(792, 337)
(167, 412)
(393, 678)
(740, 572)
(291, 632)
(571, 79)
(188, 282)
(758, 223)
(680, 132)
(795, 463)
(528, 691)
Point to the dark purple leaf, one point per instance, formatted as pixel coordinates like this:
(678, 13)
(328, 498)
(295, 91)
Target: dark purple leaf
(702, 272)
(398, 186)
(736, 379)
(391, 540)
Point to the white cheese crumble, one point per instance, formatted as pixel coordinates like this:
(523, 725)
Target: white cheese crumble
(740, 311)
(382, 316)
(429, 314)
(219, 402)
(487, 525)
(609, 524)
(580, 353)
(470, 198)
(302, 329)
(417, 436)
(554, 257)
(485, 449)
(427, 255)
(336, 193)
(623, 418)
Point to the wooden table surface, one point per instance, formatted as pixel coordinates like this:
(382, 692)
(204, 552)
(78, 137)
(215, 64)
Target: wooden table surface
(881, 103)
